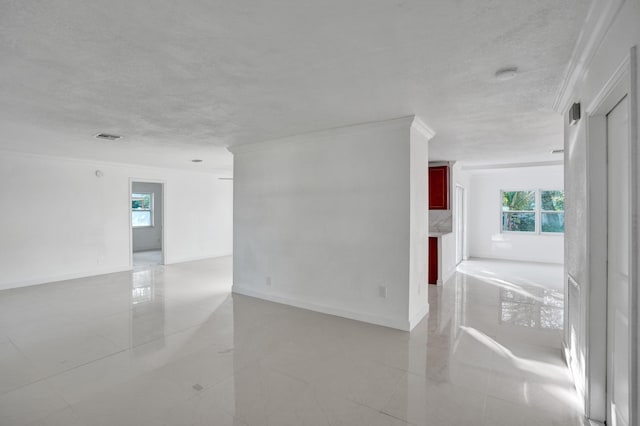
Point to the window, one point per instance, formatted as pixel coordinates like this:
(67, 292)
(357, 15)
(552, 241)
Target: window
(552, 215)
(519, 211)
(532, 211)
(141, 210)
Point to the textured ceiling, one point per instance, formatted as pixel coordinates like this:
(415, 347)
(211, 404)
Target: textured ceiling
(183, 79)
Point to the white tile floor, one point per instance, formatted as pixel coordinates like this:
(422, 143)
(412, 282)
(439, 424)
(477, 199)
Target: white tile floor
(144, 259)
(168, 345)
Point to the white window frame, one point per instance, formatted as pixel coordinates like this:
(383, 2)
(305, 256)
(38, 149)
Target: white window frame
(537, 212)
(150, 210)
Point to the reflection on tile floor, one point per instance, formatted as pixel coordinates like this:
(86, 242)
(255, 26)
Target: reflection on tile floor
(169, 345)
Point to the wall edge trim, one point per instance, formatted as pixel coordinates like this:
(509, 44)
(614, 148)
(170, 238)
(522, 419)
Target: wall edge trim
(419, 316)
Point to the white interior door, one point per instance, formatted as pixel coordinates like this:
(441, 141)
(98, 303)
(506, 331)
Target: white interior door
(618, 249)
(459, 223)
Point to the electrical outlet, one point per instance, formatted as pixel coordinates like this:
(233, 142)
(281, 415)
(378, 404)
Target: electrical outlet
(268, 281)
(382, 291)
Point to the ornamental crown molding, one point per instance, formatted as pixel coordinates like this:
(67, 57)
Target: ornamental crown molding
(421, 127)
(599, 19)
(401, 122)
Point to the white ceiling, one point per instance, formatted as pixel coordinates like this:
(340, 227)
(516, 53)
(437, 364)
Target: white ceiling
(183, 79)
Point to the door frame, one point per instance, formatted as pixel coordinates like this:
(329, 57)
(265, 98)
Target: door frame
(623, 82)
(460, 212)
(163, 185)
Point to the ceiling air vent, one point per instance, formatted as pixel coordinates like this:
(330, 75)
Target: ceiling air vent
(108, 136)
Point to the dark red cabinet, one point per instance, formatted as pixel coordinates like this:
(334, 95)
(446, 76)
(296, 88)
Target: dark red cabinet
(433, 260)
(439, 188)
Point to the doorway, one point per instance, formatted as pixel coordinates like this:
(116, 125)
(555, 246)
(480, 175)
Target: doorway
(618, 251)
(460, 210)
(146, 223)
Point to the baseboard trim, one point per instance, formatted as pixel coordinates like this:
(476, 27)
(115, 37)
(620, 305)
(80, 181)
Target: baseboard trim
(63, 277)
(490, 257)
(323, 309)
(171, 261)
(446, 276)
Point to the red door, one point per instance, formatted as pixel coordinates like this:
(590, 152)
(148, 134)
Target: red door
(433, 260)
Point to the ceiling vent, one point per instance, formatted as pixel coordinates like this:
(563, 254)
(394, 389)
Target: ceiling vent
(557, 151)
(108, 136)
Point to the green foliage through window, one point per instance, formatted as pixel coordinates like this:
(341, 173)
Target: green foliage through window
(140, 201)
(518, 201)
(552, 200)
(552, 215)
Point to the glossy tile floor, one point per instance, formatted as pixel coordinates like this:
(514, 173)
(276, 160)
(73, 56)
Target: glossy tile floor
(147, 258)
(169, 345)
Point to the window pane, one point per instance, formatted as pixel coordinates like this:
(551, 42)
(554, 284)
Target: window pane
(519, 222)
(141, 218)
(518, 200)
(552, 200)
(552, 222)
(140, 201)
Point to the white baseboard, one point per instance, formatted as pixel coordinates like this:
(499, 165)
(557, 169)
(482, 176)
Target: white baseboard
(85, 274)
(62, 277)
(372, 319)
(419, 316)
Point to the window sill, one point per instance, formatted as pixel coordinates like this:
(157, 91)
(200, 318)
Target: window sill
(557, 234)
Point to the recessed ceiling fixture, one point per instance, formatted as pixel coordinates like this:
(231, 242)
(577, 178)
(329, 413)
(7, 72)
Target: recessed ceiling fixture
(505, 74)
(108, 136)
(557, 151)
(196, 160)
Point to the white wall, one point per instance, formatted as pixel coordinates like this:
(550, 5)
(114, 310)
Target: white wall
(149, 237)
(60, 221)
(485, 237)
(323, 220)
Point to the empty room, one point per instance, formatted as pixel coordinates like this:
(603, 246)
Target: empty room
(309, 212)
